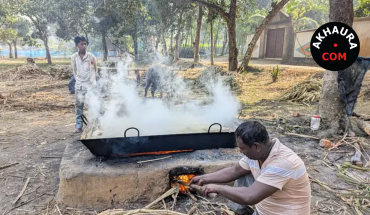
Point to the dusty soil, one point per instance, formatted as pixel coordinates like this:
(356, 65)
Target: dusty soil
(37, 120)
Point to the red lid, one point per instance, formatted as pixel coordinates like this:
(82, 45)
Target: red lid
(316, 116)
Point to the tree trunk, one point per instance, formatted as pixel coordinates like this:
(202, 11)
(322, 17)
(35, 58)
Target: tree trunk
(204, 36)
(341, 11)
(164, 42)
(275, 9)
(331, 108)
(171, 43)
(135, 37)
(231, 24)
(157, 41)
(224, 44)
(216, 36)
(105, 47)
(197, 37)
(135, 47)
(187, 37)
(212, 45)
(48, 56)
(10, 49)
(178, 39)
(191, 37)
(15, 49)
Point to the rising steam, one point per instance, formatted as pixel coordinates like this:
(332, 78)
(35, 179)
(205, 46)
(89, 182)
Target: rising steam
(115, 105)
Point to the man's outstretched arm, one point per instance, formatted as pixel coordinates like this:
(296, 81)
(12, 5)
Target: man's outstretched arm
(223, 176)
(242, 195)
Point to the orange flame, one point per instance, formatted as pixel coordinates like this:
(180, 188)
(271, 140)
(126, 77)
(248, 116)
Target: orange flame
(184, 178)
(160, 152)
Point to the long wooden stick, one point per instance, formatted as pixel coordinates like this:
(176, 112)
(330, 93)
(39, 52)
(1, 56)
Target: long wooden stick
(173, 190)
(174, 200)
(21, 193)
(140, 162)
(26, 202)
(302, 135)
(58, 209)
(8, 165)
(50, 156)
(192, 196)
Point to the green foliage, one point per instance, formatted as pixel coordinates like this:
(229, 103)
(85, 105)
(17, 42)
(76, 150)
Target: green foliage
(308, 14)
(7, 35)
(74, 18)
(363, 8)
(275, 74)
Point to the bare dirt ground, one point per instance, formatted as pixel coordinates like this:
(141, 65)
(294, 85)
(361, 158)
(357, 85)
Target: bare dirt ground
(37, 120)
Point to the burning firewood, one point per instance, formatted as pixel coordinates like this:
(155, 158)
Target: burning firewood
(195, 187)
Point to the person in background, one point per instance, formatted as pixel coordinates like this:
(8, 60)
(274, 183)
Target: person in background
(84, 68)
(270, 176)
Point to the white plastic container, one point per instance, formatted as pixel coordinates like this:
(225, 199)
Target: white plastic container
(315, 122)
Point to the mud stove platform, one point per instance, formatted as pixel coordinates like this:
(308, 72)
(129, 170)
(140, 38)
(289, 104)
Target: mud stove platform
(89, 181)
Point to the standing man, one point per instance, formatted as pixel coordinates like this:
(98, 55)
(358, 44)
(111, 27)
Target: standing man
(270, 176)
(85, 72)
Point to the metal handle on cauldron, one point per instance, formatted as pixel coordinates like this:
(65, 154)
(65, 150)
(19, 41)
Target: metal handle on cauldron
(209, 129)
(84, 119)
(138, 132)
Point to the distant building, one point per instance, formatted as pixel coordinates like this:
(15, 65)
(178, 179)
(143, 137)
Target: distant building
(279, 41)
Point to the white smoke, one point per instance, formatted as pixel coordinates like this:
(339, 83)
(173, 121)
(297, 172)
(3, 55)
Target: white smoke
(115, 105)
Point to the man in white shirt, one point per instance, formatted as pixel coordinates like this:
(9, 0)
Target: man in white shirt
(84, 67)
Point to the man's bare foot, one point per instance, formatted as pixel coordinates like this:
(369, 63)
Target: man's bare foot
(78, 130)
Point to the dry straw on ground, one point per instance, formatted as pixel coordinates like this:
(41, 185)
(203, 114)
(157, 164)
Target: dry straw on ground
(307, 91)
(60, 72)
(28, 71)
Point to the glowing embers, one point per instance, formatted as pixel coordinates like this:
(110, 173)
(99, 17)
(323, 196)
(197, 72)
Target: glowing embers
(182, 176)
(185, 179)
(160, 152)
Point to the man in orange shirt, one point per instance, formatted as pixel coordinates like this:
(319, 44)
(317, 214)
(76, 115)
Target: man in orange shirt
(270, 176)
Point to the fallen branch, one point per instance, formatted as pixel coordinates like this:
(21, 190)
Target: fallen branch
(8, 165)
(21, 193)
(348, 165)
(192, 196)
(174, 200)
(140, 162)
(58, 209)
(50, 156)
(26, 202)
(173, 190)
(322, 184)
(327, 165)
(302, 135)
(192, 210)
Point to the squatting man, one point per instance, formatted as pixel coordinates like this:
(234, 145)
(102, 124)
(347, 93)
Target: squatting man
(270, 176)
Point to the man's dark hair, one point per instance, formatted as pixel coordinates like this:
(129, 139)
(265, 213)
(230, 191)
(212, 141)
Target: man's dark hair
(251, 132)
(78, 39)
